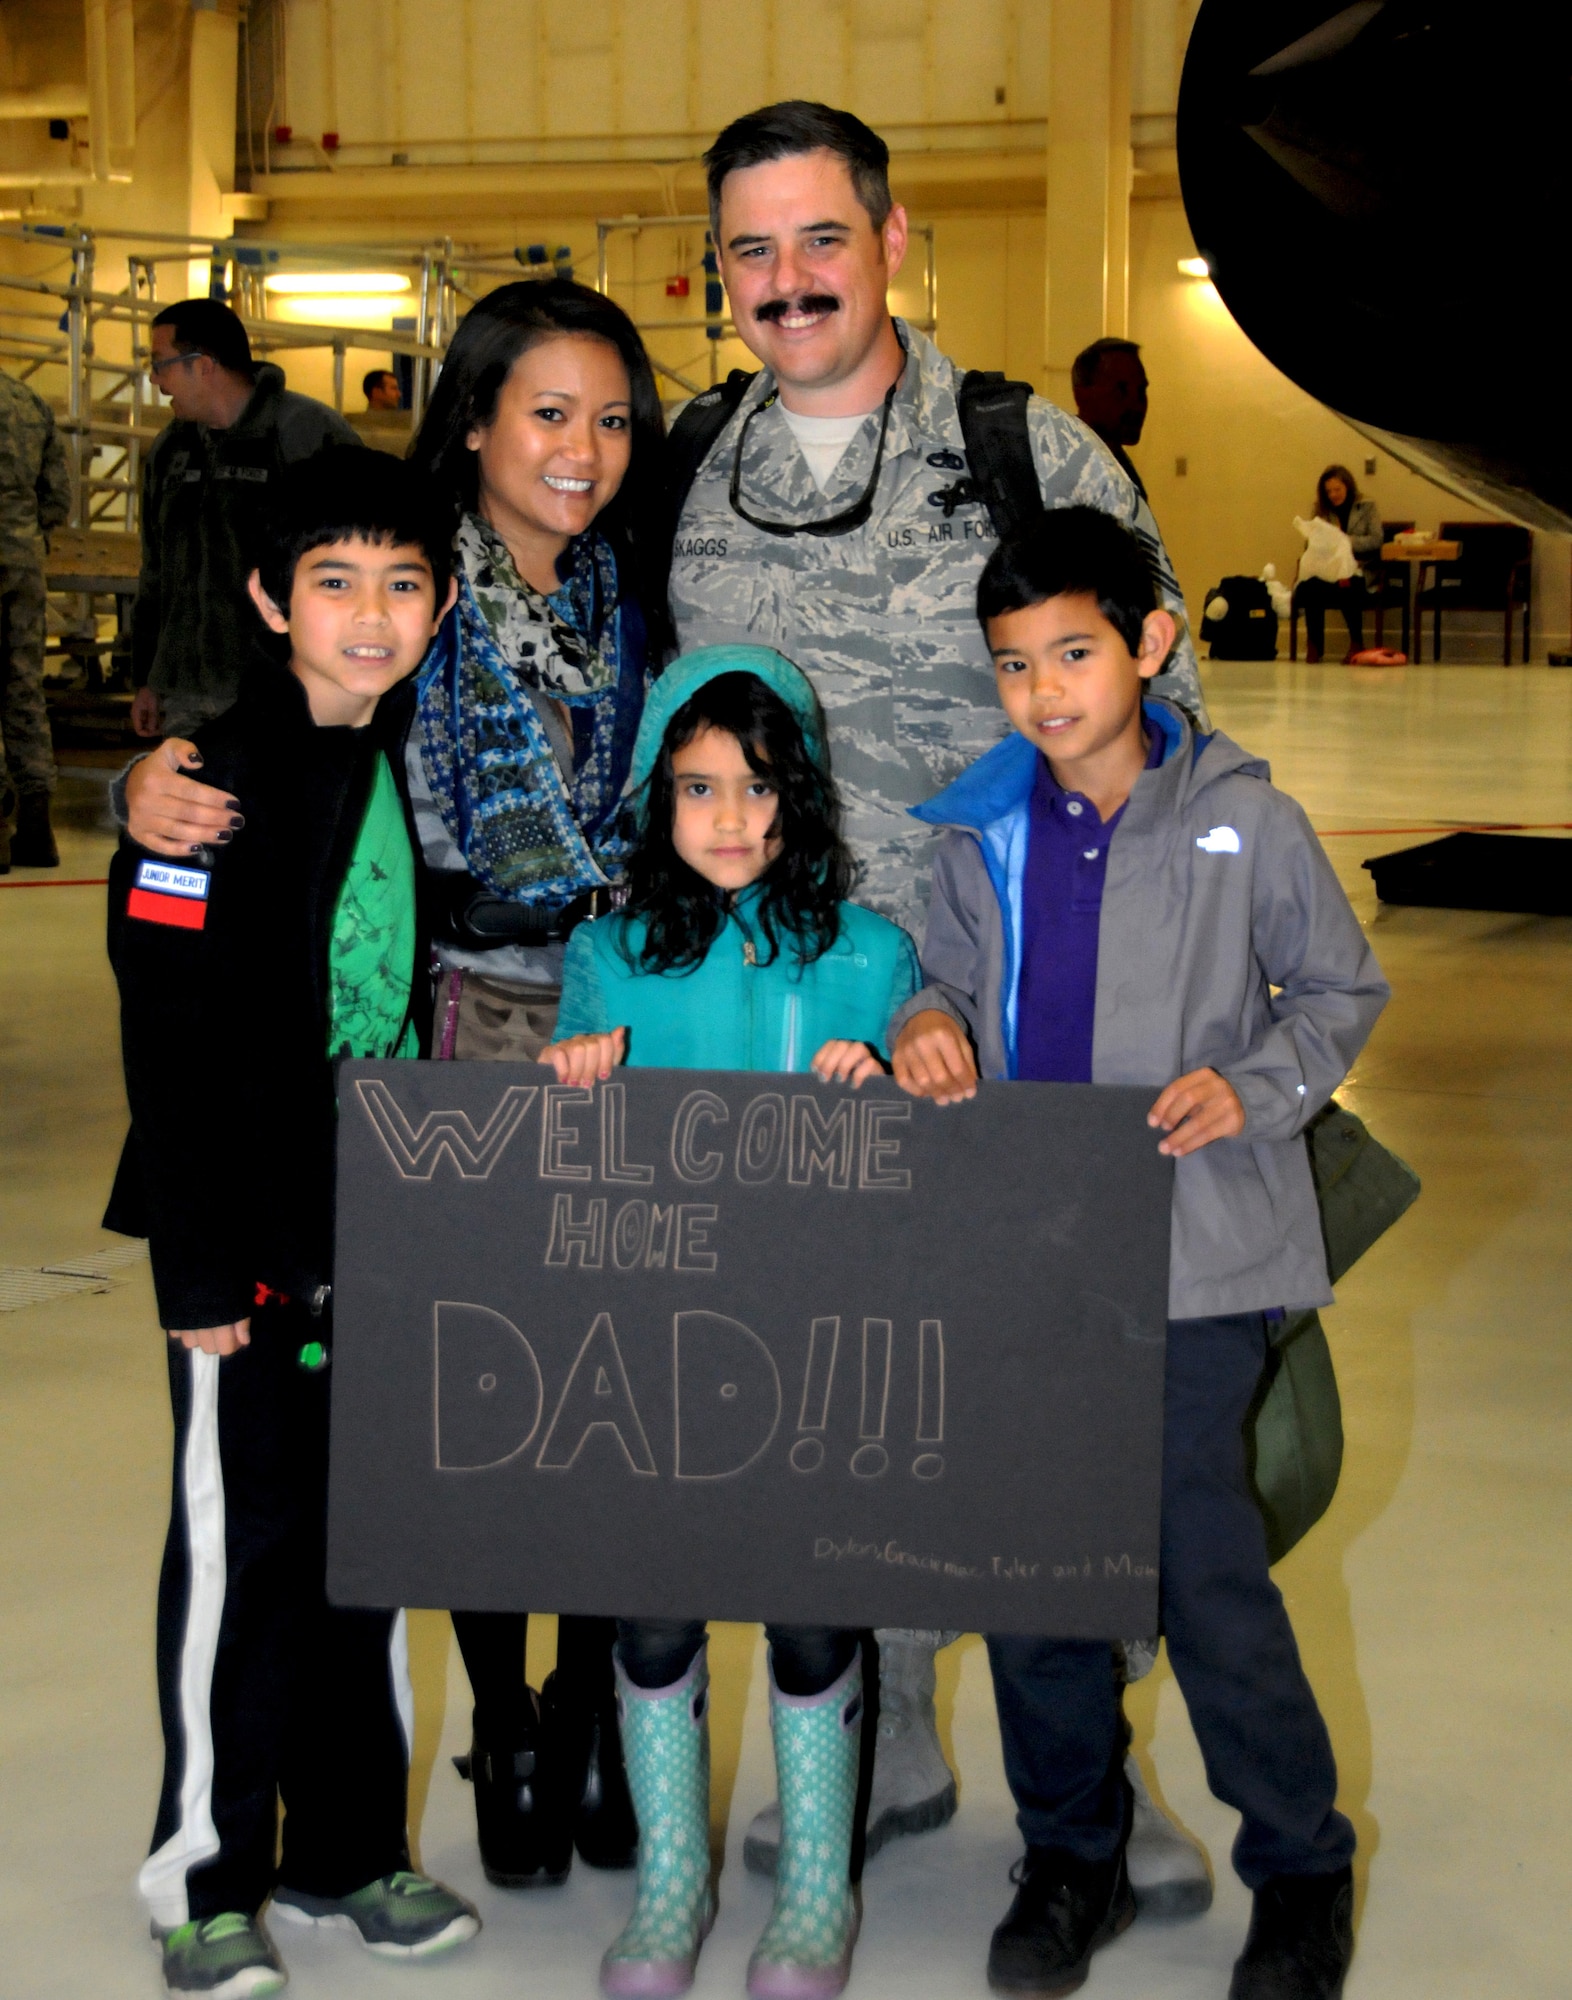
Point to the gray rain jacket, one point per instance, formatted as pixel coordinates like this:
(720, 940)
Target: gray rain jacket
(1225, 942)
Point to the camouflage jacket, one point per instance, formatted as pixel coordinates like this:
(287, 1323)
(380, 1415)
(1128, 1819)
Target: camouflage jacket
(194, 628)
(35, 479)
(883, 619)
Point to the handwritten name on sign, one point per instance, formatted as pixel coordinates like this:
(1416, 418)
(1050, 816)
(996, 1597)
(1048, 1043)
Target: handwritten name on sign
(746, 1346)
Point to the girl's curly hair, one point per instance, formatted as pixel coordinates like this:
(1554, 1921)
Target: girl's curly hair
(800, 893)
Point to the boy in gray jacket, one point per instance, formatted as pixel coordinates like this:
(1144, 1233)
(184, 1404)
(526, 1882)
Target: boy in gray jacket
(1123, 900)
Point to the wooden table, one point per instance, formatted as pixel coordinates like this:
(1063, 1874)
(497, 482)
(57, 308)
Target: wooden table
(91, 563)
(1416, 555)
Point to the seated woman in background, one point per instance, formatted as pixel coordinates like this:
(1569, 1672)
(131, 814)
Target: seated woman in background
(1337, 499)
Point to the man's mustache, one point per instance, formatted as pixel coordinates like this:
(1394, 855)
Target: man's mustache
(810, 302)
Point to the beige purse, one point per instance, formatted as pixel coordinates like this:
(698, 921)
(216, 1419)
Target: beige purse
(479, 1019)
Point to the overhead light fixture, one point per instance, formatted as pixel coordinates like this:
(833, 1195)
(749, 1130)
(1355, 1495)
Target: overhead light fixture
(338, 284)
(1189, 267)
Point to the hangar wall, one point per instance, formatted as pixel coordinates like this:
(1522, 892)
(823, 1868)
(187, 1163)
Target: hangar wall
(499, 123)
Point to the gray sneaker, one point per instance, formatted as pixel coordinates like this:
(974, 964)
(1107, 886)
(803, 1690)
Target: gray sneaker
(1168, 1870)
(227, 1957)
(913, 1787)
(397, 1916)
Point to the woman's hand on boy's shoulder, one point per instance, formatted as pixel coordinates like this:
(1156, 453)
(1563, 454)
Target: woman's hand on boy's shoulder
(220, 1340)
(1194, 1110)
(846, 1062)
(171, 811)
(584, 1060)
(933, 1058)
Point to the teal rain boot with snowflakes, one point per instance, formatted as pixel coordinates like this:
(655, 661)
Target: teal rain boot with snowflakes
(806, 1950)
(666, 1746)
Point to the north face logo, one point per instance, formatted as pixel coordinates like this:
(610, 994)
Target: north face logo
(1221, 840)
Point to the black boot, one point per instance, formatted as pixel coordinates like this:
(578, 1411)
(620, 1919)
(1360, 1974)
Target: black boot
(1064, 1909)
(33, 842)
(580, 1727)
(1301, 1939)
(524, 1828)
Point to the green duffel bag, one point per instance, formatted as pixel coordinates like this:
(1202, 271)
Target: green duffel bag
(1294, 1432)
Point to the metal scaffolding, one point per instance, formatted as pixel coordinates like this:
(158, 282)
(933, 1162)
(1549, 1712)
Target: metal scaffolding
(54, 318)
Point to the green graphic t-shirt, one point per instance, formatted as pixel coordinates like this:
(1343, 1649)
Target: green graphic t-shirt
(372, 955)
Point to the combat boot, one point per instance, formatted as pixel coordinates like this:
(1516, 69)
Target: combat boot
(33, 842)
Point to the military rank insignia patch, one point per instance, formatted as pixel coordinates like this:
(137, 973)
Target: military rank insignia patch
(164, 894)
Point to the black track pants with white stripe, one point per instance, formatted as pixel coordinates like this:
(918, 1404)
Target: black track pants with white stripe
(266, 1691)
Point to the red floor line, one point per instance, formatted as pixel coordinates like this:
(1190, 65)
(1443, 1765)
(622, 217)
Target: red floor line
(80, 882)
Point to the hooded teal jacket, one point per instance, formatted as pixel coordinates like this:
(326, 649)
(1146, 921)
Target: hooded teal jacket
(730, 1012)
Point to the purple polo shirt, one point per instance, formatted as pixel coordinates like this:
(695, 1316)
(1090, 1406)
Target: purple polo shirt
(1061, 907)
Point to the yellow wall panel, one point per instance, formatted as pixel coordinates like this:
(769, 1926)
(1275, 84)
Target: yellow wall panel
(889, 75)
(655, 79)
(506, 71)
(734, 57)
(970, 61)
(812, 47)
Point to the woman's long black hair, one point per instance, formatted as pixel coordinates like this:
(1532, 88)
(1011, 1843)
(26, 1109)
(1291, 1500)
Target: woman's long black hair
(490, 338)
(800, 893)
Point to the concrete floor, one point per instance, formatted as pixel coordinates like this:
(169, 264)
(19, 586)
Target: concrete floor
(1432, 1602)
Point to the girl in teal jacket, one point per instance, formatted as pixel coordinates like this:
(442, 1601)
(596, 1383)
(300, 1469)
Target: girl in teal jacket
(737, 950)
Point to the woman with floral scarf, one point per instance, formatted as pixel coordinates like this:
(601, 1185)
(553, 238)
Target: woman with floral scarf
(544, 437)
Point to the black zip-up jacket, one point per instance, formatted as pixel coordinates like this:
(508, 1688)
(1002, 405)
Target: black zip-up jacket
(228, 1168)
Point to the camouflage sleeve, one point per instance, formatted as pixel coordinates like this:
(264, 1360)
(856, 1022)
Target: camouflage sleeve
(1076, 471)
(54, 480)
(147, 610)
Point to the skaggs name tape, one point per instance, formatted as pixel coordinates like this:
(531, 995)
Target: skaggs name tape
(162, 894)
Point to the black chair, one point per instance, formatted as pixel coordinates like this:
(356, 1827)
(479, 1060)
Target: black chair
(1388, 593)
(1494, 571)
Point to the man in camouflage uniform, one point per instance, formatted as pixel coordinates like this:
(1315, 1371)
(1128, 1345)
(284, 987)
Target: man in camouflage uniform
(882, 618)
(194, 629)
(825, 521)
(35, 496)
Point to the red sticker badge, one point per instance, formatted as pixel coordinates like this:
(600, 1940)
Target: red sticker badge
(162, 894)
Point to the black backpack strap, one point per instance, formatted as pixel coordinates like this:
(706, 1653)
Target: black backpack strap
(999, 448)
(694, 433)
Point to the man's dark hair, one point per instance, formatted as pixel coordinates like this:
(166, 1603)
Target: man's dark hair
(349, 494)
(1071, 552)
(490, 338)
(207, 326)
(781, 131)
(374, 377)
(1083, 369)
(801, 891)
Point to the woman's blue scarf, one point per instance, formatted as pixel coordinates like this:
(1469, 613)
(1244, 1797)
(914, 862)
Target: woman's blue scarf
(525, 832)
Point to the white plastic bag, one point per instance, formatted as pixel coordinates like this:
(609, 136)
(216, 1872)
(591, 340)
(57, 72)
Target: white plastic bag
(1329, 554)
(1282, 598)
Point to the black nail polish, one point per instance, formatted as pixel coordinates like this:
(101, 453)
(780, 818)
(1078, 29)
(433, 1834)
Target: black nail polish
(236, 822)
(224, 838)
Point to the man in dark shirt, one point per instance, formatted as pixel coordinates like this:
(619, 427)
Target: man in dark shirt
(1110, 397)
(194, 629)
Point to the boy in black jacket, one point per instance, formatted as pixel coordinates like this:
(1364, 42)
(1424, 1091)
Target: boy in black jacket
(240, 980)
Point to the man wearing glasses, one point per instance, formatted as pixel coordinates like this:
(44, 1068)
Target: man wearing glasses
(826, 520)
(194, 628)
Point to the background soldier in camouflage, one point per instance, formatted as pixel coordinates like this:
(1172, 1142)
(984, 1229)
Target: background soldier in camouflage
(35, 496)
(882, 617)
(828, 520)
